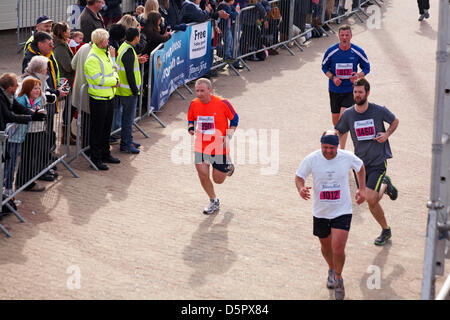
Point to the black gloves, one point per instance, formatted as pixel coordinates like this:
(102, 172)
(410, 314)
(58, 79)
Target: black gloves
(38, 116)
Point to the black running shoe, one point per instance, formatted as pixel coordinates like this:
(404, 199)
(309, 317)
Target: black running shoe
(391, 191)
(384, 237)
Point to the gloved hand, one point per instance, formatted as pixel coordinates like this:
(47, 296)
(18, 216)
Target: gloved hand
(38, 116)
(50, 97)
(181, 27)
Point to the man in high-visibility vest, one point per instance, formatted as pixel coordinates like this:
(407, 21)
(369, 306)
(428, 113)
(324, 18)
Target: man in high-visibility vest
(102, 83)
(130, 84)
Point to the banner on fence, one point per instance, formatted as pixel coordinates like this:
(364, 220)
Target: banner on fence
(185, 57)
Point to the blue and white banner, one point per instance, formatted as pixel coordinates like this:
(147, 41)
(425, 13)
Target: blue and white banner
(185, 57)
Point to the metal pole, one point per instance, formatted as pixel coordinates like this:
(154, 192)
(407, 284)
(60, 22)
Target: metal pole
(436, 214)
(445, 291)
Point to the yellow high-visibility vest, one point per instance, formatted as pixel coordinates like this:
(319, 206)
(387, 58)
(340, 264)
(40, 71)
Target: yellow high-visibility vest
(124, 87)
(100, 75)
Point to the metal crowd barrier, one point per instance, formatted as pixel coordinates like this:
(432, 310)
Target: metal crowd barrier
(37, 154)
(254, 31)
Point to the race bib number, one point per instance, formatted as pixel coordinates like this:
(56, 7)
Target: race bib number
(330, 193)
(206, 124)
(344, 70)
(365, 130)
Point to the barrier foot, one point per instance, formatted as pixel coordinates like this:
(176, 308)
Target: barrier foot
(180, 94)
(361, 10)
(376, 2)
(2, 228)
(18, 216)
(188, 89)
(89, 160)
(358, 16)
(289, 49)
(152, 114)
(69, 168)
(141, 130)
(244, 64)
(331, 29)
(234, 69)
(298, 45)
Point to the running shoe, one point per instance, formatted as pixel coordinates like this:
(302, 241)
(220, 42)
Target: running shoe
(230, 169)
(212, 207)
(339, 291)
(330, 279)
(384, 237)
(422, 16)
(427, 15)
(391, 191)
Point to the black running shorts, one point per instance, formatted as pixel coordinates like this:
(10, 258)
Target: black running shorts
(375, 175)
(340, 100)
(219, 162)
(322, 227)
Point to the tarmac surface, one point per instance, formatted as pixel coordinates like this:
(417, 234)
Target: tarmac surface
(137, 231)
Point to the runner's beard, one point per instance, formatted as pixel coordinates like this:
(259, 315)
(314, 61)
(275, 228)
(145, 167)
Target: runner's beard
(361, 102)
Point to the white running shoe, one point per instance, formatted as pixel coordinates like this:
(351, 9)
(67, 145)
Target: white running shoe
(212, 207)
(339, 290)
(330, 279)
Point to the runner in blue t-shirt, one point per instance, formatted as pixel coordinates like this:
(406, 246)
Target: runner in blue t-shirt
(340, 65)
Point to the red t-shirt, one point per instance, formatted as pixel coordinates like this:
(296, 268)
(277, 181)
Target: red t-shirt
(211, 124)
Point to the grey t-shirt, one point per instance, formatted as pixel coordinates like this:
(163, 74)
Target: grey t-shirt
(363, 128)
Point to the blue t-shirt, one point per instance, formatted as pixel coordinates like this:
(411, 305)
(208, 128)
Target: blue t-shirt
(342, 63)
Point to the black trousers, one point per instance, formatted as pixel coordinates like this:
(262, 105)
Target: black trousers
(85, 128)
(100, 128)
(423, 5)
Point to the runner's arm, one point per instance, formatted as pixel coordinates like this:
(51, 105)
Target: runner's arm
(191, 128)
(383, 136)
(302, 190)
(360, 195)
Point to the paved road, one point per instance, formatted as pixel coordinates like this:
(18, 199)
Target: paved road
(137, 231)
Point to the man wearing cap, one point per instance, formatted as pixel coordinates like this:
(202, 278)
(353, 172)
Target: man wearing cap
(332, 211)
(43, 23)
(91, 19)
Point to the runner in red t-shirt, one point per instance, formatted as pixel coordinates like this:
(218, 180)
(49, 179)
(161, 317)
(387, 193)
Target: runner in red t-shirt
(208, 118)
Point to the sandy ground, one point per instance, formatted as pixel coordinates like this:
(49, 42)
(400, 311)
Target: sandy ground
(137, 231)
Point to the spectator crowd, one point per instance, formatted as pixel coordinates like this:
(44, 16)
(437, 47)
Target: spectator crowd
(105, 53)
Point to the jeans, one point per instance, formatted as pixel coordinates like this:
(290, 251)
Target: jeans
(117, 119)
(10, 164)
(128, 105)
(228, 42)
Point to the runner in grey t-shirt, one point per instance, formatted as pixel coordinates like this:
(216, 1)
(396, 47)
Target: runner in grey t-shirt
(365, 121)
(363, 129)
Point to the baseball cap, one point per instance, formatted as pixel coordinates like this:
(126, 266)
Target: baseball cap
(43, 19)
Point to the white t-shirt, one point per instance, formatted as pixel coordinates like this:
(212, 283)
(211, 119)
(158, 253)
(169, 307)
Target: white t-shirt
(330, 178)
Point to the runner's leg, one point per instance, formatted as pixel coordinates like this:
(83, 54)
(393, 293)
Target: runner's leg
(327, 251)
(373, 198)
(342, 138)
(203, 174)
(338, 241)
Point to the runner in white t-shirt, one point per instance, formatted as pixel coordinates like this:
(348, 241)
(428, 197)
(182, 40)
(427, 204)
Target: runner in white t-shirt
(332, 201)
